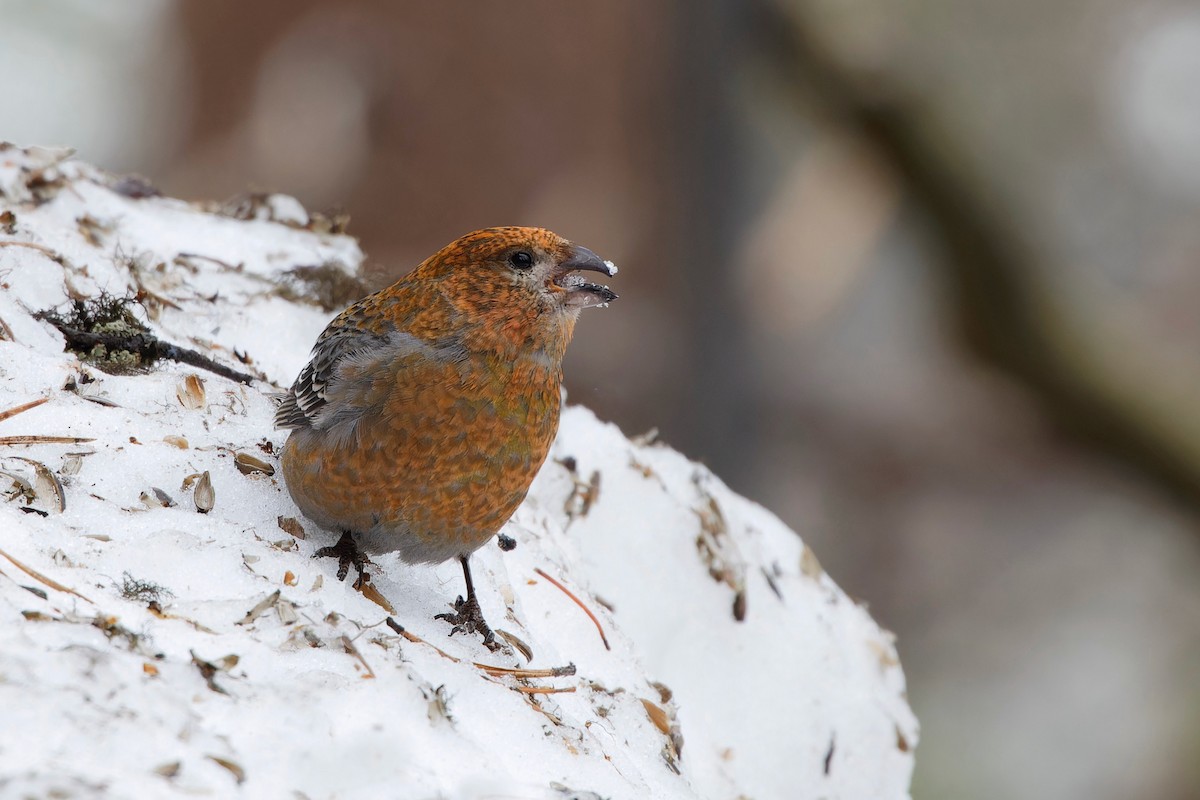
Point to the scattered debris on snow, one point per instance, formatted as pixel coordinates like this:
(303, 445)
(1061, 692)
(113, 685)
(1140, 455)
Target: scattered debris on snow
(165, 632)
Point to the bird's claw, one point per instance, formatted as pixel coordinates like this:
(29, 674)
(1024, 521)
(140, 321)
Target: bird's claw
(347, 554)
(468, 618)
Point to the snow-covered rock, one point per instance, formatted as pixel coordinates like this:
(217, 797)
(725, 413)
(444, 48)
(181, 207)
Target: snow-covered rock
(147, 650)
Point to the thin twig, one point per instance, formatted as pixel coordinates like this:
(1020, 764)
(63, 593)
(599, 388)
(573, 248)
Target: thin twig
(12, 412)
(53, 584)
(579, 603)
(34, 439)
(491, 670)
(217, 261)
(32, 246)
(536, 706)
(352, 650)
(544, 689)
(553, 672)
(412, 637)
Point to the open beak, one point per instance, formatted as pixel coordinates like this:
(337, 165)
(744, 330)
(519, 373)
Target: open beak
(581, 293)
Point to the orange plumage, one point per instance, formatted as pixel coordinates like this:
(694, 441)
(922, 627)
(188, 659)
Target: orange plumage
(428, 407)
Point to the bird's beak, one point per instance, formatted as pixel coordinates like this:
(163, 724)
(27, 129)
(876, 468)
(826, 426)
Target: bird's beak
(582, 259)
(580, 293)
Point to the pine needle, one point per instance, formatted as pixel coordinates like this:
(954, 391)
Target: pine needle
(12, 412)
(579, 603)
(37, 576)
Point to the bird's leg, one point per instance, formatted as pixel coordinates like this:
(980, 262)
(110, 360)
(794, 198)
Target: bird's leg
(467, 616)
(347, 553)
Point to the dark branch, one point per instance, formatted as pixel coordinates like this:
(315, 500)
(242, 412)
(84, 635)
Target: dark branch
(146, 345)
(1116, 395)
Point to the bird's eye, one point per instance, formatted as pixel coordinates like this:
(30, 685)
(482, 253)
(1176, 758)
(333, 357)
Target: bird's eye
(522, 259)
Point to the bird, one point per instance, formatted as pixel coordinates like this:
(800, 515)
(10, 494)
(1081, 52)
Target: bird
(427, 408)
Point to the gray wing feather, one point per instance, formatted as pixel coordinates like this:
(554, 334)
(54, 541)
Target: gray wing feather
(324, 399)
(303, 405)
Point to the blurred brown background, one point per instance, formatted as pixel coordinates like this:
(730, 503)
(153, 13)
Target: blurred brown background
(921, 277)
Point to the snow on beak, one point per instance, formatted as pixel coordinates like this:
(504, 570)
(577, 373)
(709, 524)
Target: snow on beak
(581, 293)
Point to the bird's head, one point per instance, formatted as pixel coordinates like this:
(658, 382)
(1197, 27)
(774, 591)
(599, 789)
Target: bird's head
(521, 268)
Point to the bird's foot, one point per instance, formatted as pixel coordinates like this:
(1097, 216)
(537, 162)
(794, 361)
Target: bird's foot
(347, 554)
(468, 618)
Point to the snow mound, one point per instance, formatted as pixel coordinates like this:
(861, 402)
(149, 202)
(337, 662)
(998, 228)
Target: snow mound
(148, 650)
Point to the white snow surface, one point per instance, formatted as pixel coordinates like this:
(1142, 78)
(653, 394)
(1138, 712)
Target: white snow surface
(102, 693)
